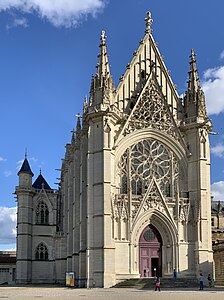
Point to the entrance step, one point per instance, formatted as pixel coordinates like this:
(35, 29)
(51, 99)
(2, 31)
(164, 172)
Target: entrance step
(149, 283)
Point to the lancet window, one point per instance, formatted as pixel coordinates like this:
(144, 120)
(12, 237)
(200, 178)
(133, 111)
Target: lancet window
(42, 213)
(41, 252)
(145, 160)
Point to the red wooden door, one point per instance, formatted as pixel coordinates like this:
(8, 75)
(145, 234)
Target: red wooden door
(150, 246)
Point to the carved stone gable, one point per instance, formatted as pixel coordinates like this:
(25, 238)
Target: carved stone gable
(152, 200)
(151, 111)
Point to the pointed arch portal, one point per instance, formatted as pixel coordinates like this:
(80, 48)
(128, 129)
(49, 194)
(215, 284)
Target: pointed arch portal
(150, 252)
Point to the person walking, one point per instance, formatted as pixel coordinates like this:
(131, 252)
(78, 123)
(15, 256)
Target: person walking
(157, 284)
(201, 280)
(174, 275)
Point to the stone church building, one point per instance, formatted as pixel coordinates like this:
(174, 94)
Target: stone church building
(134, 193)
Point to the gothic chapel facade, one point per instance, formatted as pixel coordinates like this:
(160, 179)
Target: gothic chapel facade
(134, 193)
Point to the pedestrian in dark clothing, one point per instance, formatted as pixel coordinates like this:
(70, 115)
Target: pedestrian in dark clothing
(174, 275)
(157, 284)
(201, 280)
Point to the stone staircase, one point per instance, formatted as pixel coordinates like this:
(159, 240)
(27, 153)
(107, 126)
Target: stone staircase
(149, 283)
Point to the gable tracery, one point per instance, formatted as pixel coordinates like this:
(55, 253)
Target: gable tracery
(152, 111)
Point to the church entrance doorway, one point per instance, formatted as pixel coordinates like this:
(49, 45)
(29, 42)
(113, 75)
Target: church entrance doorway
(150, 252)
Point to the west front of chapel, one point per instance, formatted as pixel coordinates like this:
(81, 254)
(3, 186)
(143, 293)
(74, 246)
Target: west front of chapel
(134, 194)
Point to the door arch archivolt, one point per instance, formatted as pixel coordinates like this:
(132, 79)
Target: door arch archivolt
(168, 233)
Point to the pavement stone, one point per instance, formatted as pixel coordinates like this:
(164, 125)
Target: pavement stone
(58, 293)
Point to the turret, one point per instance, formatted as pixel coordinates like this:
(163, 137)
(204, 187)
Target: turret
(24, 194)
(102, 84)
(25, 174)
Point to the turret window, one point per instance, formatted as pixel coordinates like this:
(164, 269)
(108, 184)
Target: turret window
(41, 252)
(42, 213)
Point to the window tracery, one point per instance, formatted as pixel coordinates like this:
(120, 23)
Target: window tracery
(41, 252)
(42, 213)
(145, 160)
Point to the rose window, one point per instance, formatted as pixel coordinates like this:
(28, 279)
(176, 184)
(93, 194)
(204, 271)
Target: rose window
(145, 160)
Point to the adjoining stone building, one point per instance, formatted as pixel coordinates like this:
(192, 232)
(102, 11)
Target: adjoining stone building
(134, 195)
(218, 240)
(7, 267)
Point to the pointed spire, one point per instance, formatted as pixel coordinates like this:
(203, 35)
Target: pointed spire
(73, 137)
(85, 105)
(148, 22)
(78, 131)
(103, 68)
(78, 124)
(194, 100)
(193, 83)
(25, 168)
(102, 83)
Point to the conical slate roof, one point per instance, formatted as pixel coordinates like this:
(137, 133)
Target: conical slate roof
(25, 168)
(40, 183)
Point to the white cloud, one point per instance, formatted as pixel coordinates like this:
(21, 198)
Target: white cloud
(8, 173)
(218, 150)
(22, 22)
(65, 13)
(35, 160)
(19, 164)
(8, 225)
(2, 159)
(213, 86)
(222, 55)
(217, 190)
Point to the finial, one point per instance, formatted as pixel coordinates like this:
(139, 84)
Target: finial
(25, 153)
(40, 171)
(78, 115)
(192, 56)
(103, 38)
(148, 22)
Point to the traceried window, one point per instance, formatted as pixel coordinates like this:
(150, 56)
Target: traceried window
(42, 213)
(145, 160)
(41, 252)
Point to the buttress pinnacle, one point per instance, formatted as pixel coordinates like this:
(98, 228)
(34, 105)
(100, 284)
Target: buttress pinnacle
(102, 85)
(193, 83)
(103, 67)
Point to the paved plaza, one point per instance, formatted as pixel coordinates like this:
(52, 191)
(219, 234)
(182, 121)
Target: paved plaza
(56, 293)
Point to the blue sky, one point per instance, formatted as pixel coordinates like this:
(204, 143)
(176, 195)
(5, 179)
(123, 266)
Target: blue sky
(48, 54)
